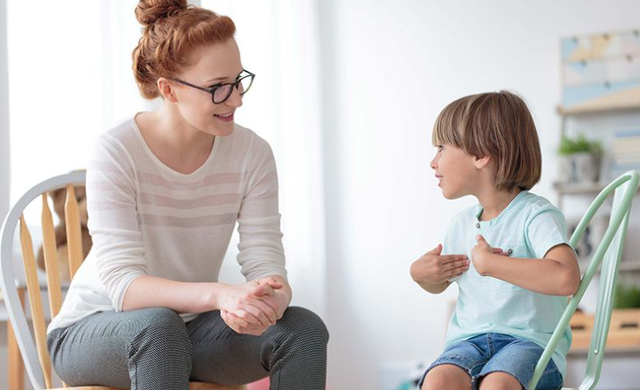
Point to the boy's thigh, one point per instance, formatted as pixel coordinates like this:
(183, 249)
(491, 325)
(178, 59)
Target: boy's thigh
(519, 359)
(467, 355)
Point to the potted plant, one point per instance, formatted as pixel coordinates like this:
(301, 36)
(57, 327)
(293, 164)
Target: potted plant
(627, 295)
(579, 159)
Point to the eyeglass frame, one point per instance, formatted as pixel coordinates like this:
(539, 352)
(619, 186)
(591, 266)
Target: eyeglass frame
(213, 89)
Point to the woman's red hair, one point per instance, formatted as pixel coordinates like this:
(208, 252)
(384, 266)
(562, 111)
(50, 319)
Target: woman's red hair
(172, 31)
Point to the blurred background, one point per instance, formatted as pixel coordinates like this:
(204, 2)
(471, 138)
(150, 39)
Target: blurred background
(346, 93)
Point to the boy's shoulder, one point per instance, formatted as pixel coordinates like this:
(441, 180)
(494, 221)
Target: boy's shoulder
(531, 205)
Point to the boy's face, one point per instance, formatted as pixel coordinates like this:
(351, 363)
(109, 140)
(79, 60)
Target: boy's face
(455, 171)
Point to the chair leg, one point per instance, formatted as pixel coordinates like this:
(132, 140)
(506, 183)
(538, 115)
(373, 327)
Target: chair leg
(16, 365)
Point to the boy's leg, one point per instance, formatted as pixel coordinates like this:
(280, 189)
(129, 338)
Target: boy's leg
(499, 381)
(145, 349)
(512, 366)
(447, 376)
(293, 352)
(458, 365)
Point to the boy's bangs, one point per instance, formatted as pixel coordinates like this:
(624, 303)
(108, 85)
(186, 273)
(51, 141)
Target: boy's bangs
(445, 130)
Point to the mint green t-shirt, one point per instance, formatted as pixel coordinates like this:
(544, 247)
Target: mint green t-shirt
(528, 228)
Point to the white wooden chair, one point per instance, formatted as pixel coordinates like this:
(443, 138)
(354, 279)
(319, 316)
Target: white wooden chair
(35, 355)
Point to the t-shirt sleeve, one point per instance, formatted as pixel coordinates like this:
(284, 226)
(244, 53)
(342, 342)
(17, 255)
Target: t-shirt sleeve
(113, 219)
(546, 229)
(261, 253)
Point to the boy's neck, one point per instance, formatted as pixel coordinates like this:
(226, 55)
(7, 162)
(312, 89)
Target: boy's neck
(494, 202)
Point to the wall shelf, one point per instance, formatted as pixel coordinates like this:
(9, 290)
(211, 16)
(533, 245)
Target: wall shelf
(579, 188)
(600, 110)
(625, 265)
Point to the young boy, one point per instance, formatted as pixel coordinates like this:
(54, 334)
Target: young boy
(509, 254)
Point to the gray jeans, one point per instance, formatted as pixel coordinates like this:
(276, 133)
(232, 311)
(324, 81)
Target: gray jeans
(153, 349)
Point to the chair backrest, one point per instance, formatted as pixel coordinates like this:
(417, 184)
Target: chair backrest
(607, 254)
(36, 356)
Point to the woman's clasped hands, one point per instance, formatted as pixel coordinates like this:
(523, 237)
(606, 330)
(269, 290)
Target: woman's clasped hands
(252, 307)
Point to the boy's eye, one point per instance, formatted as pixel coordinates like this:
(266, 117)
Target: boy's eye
(440, 148)
(215, 86)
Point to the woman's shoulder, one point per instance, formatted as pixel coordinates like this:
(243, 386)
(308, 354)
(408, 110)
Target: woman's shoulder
(120, 143)
(246, 140)
(123, 133)
(246, 135)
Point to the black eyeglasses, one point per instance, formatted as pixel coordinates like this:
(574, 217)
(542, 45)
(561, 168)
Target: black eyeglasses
(221, 92)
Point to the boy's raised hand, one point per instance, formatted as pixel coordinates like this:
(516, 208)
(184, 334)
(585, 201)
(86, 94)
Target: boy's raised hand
(482, 253)
(433, 268)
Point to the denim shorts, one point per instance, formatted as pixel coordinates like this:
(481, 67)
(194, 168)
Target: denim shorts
(494, 352)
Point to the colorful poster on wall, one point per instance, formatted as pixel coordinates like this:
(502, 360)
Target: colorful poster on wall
(601, 71)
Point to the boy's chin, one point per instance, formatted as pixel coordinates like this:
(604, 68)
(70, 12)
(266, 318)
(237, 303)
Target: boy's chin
(451, 195)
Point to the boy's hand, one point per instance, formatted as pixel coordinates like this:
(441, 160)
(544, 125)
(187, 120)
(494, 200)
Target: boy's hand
(483, 253)
(434, 268)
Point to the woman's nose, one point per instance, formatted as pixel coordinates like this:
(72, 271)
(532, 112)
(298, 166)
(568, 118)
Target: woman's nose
(235, 100)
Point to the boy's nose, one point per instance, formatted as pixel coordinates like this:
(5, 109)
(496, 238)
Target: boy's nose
(433, 164)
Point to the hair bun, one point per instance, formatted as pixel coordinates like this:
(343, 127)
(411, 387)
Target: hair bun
(150, 11)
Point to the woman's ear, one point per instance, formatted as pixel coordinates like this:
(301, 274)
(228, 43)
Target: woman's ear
(481, 162)
(166, 90)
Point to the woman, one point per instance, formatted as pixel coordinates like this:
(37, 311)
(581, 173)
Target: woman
(165, 190)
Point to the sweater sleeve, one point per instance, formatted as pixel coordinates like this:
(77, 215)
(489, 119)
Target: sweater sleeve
(113, 219)
(261, 253)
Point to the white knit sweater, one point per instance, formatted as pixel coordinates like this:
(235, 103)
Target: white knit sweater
(147, 219)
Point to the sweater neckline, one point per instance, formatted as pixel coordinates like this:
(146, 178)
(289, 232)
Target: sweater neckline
(166, 168)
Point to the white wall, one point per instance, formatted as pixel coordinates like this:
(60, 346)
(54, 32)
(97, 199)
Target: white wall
(390, 68)
(4, 159)
(4, 114)
(4, 162)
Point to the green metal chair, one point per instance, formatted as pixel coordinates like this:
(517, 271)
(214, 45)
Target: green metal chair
(608, 253)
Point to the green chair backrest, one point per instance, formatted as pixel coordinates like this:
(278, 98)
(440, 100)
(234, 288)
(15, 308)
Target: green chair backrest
(608, 253)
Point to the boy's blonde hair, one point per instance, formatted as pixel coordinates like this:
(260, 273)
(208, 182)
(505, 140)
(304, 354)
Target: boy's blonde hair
(495, 124)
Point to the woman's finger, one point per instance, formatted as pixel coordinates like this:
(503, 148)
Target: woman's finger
(247, 317)
(257, 313)
(269, 311)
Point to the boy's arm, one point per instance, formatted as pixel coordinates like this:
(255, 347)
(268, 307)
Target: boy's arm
(432, 270)
(557, 273)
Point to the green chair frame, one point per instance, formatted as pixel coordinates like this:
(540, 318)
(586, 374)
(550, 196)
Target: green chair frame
(608, 253)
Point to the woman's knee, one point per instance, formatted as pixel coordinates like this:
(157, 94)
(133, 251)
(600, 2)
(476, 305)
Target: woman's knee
(163, 331)
(302, 323)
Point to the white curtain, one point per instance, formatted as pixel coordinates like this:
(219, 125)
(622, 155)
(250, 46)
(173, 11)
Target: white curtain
(56, 89)
(279, 42)
(4, 115)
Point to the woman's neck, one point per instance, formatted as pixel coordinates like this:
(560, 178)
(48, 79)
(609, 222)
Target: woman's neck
(173, 130)
(174, 142)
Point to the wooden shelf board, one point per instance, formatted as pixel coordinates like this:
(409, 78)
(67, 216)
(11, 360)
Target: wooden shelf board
(578, 111)
(625, 265)
(579, 188)
(609, 351)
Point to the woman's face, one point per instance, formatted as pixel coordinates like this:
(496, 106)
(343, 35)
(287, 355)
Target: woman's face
(218, 63)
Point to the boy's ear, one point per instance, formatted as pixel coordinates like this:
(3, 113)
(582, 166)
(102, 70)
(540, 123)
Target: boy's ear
(166, 89)
(481, 162)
